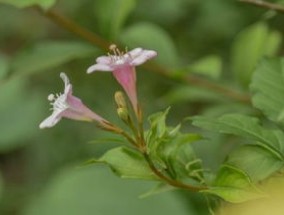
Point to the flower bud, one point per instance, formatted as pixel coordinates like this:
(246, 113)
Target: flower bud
(123, 114)
(120, 100)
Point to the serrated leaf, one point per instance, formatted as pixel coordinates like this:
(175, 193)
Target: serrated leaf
(128, 163)
(44, 4)
(49, 54)
(268, 88)
(248, 127)
(181, 159)
(210, 66)
(158, 126)
(171, 150)
(151, 36)
(255, 161)
(250, 45)
(233, 185)
(112, 15)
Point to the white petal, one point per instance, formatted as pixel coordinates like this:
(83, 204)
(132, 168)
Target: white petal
(65, 79)
(50, 121)
(100, 67)
(143, 57)
(134, 52)
(103, 60)
(68, 90)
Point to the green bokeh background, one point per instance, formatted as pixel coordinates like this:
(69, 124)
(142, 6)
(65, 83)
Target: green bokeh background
(41, 170)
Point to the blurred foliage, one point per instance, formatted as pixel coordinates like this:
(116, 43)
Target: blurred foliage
(221, 41)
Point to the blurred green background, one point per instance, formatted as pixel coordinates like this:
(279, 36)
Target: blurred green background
(41, 170)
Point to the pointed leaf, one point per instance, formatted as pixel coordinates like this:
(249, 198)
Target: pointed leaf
(128, 163)
(210, 66)
(233, 185)
(268, 88)
(255, 161)
(248, 127)
(250, 45)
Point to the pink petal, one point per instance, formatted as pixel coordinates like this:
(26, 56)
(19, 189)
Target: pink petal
(99, 67)
(126, 77)
(142, 57)
(79, 111)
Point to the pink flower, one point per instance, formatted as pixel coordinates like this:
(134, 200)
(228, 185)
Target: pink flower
(122, 65)
(68, 106)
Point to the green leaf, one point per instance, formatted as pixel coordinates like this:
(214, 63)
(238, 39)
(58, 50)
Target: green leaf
(128, 163)
(20, 112)
(96, 191)
(248, 127)
(44, 4)
(158, 126)
(171, 150)
(49, 54)
(255, 161)
(250, 45)
(112, 15)
(233, 185)
(210, 66)
(180, 158)
(268, 88)
(4, 66)
(151, 36)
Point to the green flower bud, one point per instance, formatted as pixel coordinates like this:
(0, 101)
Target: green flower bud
(120, 100)
(123, 114)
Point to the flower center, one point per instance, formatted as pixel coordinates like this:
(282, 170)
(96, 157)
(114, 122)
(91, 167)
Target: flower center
(58, 102)
(118, 57)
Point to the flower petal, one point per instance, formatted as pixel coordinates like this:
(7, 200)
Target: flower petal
(103, 60)
(65, 79)
(142, 57)
(79, 111)
(50, 121)
(134, 52)
(100, 67)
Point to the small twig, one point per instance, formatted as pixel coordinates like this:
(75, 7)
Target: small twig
(73, 27)
(95, 39)
(264, 4)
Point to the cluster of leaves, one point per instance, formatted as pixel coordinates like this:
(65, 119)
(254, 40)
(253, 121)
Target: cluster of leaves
(258, 128)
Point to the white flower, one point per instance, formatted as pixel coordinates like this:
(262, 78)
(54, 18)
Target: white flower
(68, 106)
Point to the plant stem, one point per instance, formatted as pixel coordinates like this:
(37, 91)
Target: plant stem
(264, 4)
(96, 40)
(73, 27)
(169, 180)
(107, 126)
